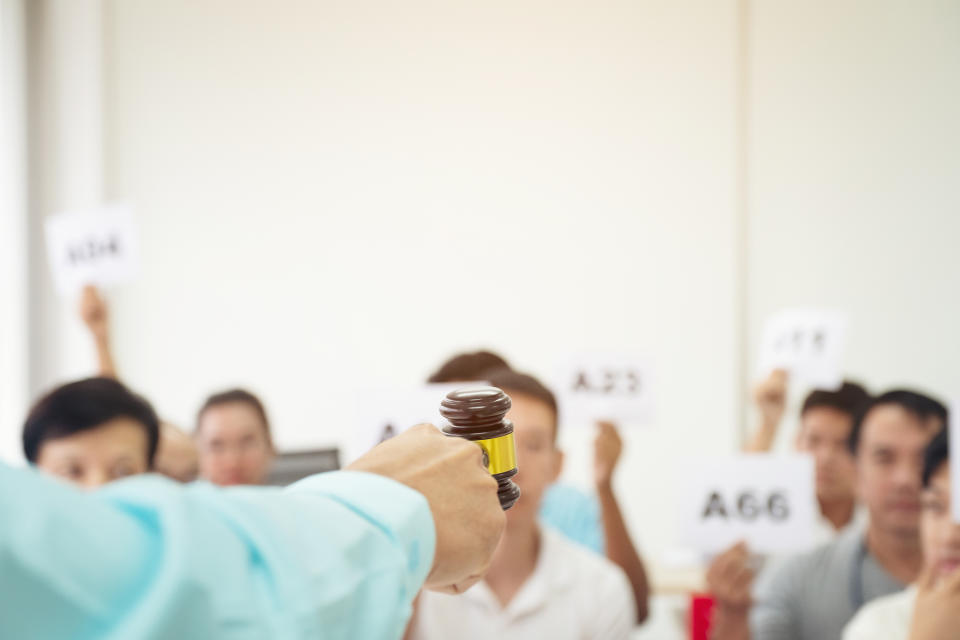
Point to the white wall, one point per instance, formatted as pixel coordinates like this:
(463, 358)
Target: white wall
(50, 160)
(66, 164)
(13, 228)
(335, 196)
(854, 167)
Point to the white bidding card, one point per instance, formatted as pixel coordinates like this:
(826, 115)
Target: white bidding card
(97, 246)
(768, 501)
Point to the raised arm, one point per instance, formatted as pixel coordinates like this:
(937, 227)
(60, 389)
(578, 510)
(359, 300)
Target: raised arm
(617, 541)
(770, 396)
(94, 313)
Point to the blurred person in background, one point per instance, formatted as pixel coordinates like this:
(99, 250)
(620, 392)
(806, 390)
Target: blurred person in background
(594, 522)
(814, 595)
(930, 608)
(540, 584)
(826, 420)
(233, 439)
(91, 432)
(176, 455)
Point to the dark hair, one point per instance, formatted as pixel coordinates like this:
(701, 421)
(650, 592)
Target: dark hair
(936, 455)
(468, 367)
(514, 382)
(917, 404)
(241, 396)
(936, 409)
(850, 398)
(84, 405)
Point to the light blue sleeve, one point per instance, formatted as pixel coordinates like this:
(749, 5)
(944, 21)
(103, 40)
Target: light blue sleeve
(574, 514)
(339, 555)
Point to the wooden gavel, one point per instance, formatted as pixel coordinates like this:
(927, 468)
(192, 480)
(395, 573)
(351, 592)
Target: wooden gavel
(479, 415)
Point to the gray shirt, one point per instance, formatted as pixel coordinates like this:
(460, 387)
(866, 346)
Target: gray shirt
(814, 595)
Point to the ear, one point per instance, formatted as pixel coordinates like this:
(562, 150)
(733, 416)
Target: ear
(558, 459)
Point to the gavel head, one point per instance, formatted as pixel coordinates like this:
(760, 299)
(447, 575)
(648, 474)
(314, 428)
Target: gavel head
(479, 414)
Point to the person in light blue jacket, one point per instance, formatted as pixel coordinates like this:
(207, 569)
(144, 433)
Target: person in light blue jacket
(339, 555)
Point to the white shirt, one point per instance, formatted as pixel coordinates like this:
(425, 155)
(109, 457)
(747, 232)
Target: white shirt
(572, 593)
(885, 618)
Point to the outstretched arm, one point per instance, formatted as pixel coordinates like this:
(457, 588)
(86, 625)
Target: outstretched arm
(339, 555)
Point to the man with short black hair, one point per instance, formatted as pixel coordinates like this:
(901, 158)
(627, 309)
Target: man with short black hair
(930, 609)
(90, 432)
(826, 421)
(813, 596)
(540, 585)
(595, 522)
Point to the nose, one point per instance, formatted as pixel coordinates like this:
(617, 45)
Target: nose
(94, 478)
(823, 457)
(907, 476)
(231, 458)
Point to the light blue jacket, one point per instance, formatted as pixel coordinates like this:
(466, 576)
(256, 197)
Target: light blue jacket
(339, 555)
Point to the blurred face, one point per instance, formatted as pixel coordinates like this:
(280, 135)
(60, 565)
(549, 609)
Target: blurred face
(889, 467)
(940, 536)
(538, 459)
(824, 432)
(94, 457)
(233, 445)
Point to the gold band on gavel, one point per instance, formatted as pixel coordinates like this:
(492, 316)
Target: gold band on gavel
(501, 453)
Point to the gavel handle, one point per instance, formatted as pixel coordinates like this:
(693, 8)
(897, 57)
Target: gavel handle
(507, 489)
(500, 458)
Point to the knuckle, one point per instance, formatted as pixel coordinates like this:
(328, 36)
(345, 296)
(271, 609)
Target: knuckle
(423, 428)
